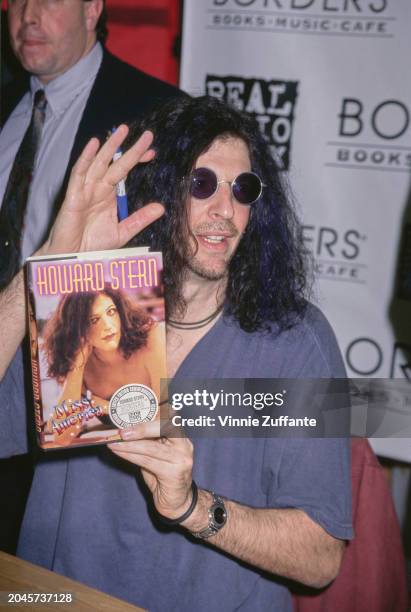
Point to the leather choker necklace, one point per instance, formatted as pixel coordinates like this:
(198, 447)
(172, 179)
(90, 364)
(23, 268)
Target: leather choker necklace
(195, 324)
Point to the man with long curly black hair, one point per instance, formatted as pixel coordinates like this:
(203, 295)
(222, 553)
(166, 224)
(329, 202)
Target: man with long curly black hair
(270, 508)
(265, 276)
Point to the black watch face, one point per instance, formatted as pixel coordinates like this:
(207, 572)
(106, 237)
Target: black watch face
(219, 515)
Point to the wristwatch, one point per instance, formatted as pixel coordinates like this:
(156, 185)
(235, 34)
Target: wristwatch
(217, 518)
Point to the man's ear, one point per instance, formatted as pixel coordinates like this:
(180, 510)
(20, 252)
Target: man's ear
(93, 10)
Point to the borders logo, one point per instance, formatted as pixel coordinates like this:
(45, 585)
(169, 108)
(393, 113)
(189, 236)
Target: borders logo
(401, 361)
(365, 356)
(349, 18)
(271, 103)
(371, 136)
(337, 253)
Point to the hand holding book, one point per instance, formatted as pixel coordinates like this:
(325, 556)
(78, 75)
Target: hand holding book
(166, 465)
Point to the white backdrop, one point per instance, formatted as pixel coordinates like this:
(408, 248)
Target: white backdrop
(329, 83)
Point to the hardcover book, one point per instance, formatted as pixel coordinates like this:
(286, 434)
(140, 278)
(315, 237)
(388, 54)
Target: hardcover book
(97, 343)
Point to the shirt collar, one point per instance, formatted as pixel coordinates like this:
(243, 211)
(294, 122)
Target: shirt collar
(61, 91)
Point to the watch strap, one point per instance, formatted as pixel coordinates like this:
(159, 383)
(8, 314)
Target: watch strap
(215, 521)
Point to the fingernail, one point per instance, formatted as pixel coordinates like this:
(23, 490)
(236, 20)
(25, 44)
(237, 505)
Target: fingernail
(126, 434)
(157, 207)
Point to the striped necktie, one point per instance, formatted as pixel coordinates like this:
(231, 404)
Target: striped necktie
(15, 198)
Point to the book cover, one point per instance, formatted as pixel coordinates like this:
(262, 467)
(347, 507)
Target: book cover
(97, 343)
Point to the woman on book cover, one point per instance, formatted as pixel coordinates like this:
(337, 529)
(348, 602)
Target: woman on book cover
(98, 342)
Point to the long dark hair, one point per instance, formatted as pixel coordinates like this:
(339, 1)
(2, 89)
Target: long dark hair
(68, 328)
(267, 274)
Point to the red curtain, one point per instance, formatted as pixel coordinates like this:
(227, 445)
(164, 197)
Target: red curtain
(143, 33)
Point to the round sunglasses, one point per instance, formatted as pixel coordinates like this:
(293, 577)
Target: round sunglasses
(246, 188)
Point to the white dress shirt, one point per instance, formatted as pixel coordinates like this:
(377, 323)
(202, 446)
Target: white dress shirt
(66, 96)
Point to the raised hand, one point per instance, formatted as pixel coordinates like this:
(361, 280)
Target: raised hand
(88, 217)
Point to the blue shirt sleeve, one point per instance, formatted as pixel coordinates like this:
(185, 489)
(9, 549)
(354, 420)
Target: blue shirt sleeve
(313, 474)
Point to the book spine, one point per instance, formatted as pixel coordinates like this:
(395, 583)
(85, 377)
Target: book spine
(35, 368)
(38, 406)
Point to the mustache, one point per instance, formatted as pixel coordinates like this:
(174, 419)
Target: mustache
(216, 226)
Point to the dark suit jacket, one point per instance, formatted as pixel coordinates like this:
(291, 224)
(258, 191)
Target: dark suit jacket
(120, 94)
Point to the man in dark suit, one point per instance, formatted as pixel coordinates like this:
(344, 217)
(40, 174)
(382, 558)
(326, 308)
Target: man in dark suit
(88, 91)
(48, 45)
